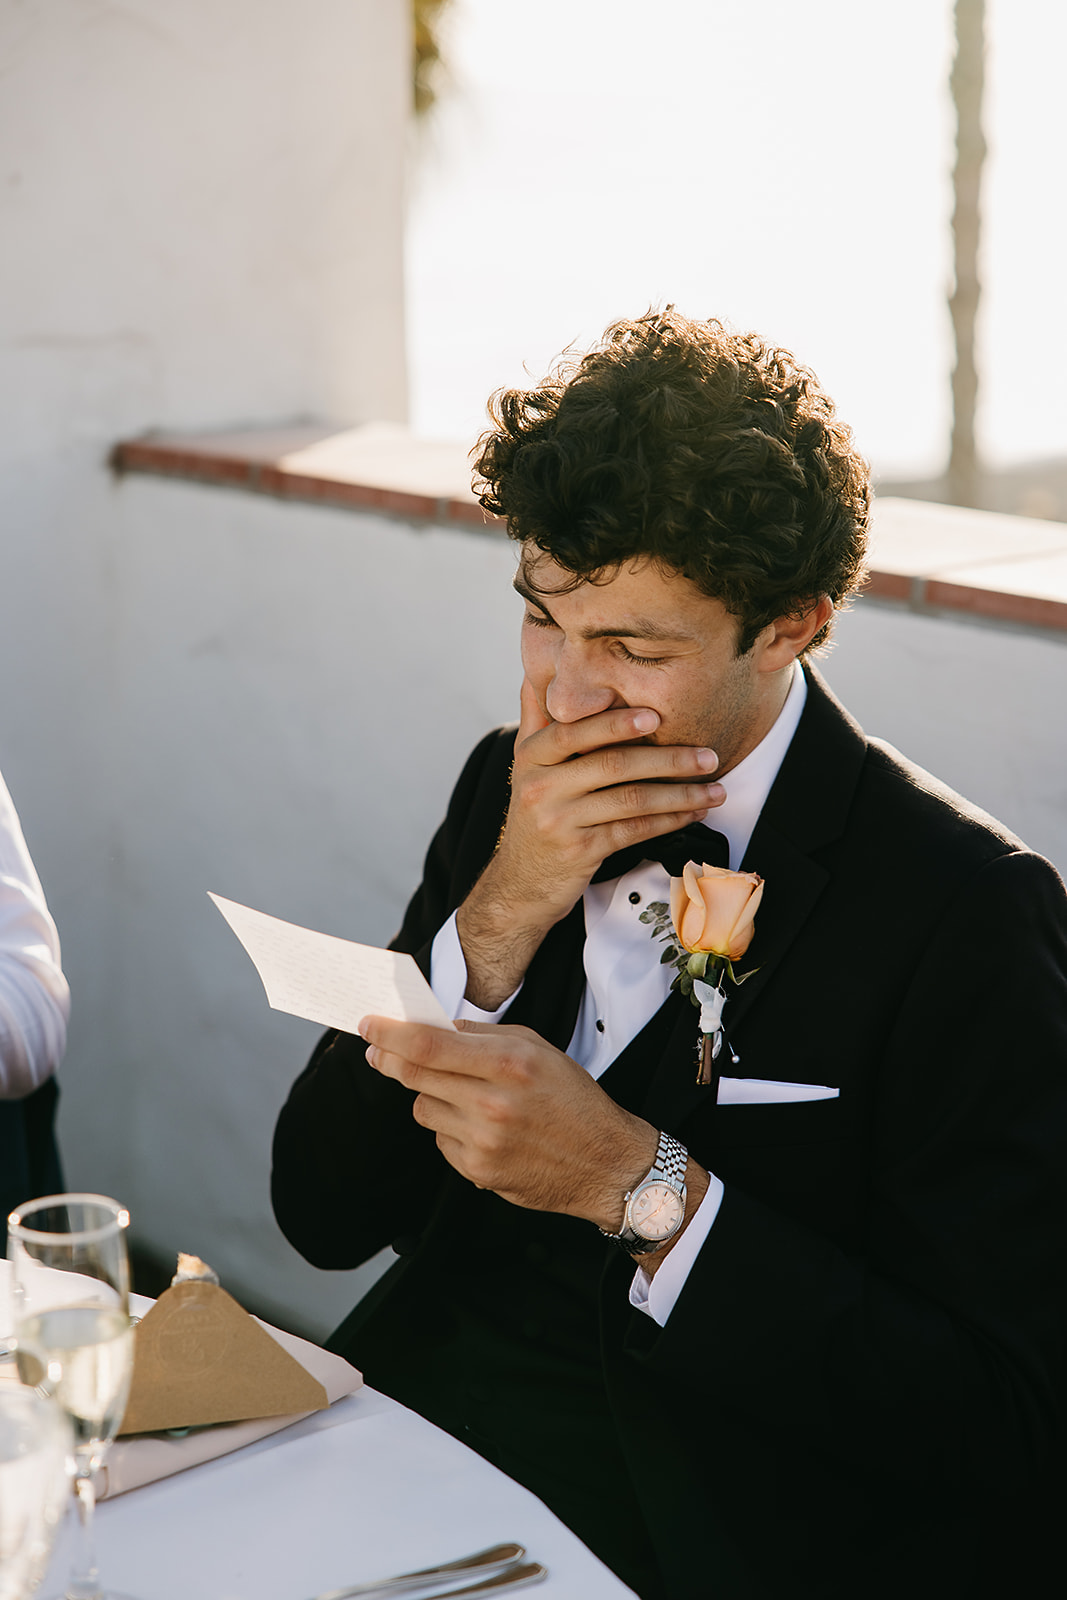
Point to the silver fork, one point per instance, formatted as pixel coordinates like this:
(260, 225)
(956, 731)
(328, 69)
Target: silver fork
(497, 1560)
(510, 1578)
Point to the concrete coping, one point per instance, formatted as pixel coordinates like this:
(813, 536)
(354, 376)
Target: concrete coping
(932, 558)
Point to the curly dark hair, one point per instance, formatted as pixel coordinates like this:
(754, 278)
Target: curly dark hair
(709, 452)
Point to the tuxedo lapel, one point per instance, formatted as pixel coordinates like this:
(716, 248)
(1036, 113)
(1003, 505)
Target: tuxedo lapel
(807, 808)
(812, 795)
(793, 884)
(637, 1077)
(797, 883)
(672, 1086)
(551, 992)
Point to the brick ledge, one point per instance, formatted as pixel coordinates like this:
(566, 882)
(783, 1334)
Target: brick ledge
(377, 467)
(930, 558)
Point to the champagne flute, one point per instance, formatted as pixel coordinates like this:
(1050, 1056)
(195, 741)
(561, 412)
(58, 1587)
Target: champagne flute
(74, 1339)
(35, 1446)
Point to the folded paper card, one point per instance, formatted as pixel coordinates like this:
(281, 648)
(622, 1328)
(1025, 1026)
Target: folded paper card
(200, 1359)
(328, 980)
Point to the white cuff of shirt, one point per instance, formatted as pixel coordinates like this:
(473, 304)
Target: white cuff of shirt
(656, 1296)
(448, 978)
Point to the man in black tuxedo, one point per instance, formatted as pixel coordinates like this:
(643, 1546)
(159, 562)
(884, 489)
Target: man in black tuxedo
(821, 1352)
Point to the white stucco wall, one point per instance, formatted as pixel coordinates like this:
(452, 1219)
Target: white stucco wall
(291, 691)
(201, 219)
(201, 211)
(981, 705)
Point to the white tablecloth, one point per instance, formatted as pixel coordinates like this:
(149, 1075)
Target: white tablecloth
(363, 1490)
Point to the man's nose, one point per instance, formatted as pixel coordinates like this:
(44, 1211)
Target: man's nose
(575, 691)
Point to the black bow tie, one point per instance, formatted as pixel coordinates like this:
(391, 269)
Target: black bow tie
(672, 850)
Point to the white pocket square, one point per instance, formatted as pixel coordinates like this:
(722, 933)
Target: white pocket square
(763, 1091)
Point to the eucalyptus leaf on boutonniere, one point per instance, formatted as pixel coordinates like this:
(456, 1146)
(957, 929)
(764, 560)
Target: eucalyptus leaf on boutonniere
(708, 926)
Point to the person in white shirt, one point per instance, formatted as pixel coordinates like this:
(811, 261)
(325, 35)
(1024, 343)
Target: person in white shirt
(34, 1008)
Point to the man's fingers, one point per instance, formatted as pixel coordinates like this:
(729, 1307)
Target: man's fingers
(430, 1112)
(562, 741)
(610, 819)
(607, 750)
(611, 765)
(651, 802)
(437, 1050)
(418, 1041)
(646, 829)
(428, 1083)
(531, 718)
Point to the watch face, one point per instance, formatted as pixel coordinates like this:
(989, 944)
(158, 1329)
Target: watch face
(655, 1210)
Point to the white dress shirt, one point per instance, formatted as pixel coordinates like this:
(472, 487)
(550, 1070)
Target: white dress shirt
(34, 998)
(626, 983)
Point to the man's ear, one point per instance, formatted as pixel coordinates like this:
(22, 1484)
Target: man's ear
(783, 640)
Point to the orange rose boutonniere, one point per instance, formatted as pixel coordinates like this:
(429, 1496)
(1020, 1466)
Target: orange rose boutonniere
(708, 926)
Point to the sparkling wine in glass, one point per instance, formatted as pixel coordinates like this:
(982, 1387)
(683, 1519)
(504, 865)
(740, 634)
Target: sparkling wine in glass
(74, 1339)
(35, 1449)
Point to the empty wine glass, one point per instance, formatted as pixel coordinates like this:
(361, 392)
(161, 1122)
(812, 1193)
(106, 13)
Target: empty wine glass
(35, 1449)
(74, 1339)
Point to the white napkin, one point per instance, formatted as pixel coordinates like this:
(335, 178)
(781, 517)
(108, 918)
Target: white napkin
(131, 1463)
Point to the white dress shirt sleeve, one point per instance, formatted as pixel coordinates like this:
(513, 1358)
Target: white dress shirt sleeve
(34, 998)
(448, 978)
(656, 1296)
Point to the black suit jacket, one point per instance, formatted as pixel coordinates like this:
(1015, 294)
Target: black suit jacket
(858, 1390)
(29, 1157)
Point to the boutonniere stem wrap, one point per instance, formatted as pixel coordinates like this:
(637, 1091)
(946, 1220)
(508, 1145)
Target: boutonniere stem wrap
(707, 926)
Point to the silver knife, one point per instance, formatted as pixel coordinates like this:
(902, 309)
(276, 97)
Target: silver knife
(510, 1578)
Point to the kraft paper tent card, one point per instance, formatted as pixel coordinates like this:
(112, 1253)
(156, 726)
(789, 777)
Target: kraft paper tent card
(199, 1359)
(331, 981)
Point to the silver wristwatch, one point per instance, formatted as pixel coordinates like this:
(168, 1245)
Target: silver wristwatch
(655, 1207)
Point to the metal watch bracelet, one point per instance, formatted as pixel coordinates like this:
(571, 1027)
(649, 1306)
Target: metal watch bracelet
(668, 1167)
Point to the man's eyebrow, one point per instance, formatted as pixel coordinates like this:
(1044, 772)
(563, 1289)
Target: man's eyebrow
(630, 628)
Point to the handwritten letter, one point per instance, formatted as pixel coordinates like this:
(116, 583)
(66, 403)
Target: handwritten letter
(328, 980)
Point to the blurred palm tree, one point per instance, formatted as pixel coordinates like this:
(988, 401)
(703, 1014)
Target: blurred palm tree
(1030, 488)
(968, 73)
(427, 15)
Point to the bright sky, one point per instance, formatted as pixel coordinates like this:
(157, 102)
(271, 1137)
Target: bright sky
(783, 166)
